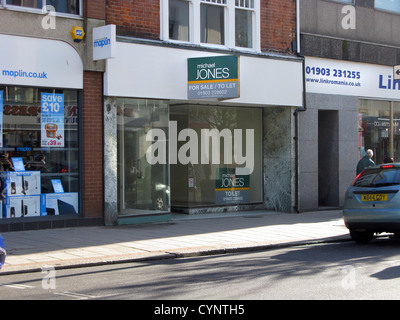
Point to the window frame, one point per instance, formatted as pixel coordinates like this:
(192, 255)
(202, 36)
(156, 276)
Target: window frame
(4, 5)
(230, 29)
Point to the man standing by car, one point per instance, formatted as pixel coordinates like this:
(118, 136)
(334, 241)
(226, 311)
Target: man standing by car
(366, 161)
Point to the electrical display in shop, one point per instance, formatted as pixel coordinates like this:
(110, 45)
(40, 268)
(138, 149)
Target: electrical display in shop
(38, 160)
(23, 197)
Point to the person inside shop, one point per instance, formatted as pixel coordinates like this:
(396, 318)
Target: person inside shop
(388, 160)
(6, 163)
(38, 165)
(42, 162)
(366, 161)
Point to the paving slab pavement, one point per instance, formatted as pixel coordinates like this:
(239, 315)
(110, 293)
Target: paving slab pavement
(183, 236)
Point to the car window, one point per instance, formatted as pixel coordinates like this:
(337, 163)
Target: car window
(378, 177)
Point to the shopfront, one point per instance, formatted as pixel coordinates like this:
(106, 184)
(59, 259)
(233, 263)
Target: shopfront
(351, 107)
(40, 83)
(185, 130)
(379, 129)
(216, 182)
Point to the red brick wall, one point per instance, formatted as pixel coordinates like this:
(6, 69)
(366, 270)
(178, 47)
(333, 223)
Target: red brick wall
(135, 18)
(141, 19)
(94, 9)
(278, 25)
(92, 148)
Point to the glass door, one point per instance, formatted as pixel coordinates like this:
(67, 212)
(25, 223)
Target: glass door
(142, 187)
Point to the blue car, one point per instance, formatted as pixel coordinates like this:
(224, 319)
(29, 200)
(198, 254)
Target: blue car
(3, 252)
(372, 202)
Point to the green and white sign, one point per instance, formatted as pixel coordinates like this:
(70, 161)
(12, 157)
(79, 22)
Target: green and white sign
(231, 188)
(213, 77)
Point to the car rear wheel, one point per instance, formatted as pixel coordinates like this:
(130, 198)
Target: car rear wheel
(361, 236)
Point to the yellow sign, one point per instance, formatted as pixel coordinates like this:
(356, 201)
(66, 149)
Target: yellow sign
(77, 34)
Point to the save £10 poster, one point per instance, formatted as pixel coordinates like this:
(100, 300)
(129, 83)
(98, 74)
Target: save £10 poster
(52, 120)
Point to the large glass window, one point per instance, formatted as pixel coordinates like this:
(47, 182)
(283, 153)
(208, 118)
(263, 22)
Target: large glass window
(186, 156)
(212, 143)
(61, 6)
(389, 5)
(379, 129)
(143, 186)
(39, 153)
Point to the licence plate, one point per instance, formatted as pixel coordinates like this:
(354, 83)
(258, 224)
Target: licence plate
(374, 197)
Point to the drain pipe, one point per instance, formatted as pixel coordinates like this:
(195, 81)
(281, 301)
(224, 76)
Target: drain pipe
(296, 142)
(298, 110)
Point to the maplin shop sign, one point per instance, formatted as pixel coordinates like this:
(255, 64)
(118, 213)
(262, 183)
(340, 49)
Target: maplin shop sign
(213, 77)
(104, 42)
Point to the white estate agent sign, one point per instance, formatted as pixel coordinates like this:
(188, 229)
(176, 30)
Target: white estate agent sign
(161, 72)
(104, 42)
(351, 79)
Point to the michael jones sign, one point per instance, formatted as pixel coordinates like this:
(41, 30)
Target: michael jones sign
(213, 77)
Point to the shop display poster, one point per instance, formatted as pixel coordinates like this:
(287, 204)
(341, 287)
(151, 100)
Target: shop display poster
(52, 120)
(18, 164)
(57, 186)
